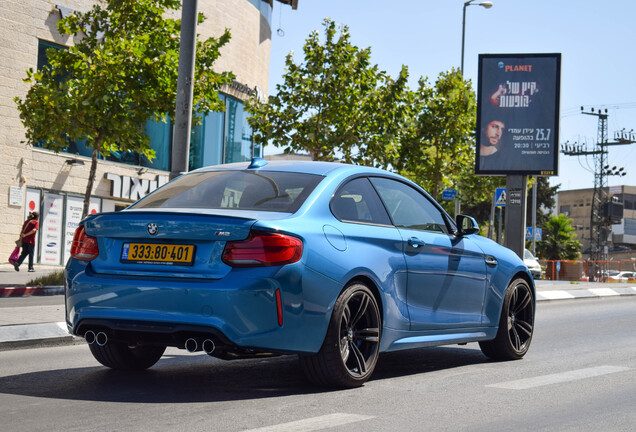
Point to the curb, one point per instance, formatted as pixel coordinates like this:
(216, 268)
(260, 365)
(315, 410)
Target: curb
(35, 336)
(25, 291)
(548, 295)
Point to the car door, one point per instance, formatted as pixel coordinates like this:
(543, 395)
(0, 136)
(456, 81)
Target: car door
(446, 274)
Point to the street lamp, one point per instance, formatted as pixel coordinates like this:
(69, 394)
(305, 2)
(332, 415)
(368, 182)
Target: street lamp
(487, 5)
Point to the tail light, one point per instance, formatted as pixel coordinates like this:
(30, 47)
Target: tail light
(263, 249)
(84, 247)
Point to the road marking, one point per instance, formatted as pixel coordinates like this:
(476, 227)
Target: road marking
(603, 292)
(524, 384)
(314, 423)
(555, 295)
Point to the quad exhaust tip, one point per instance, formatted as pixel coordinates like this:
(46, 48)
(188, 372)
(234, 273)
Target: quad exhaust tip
(100, 338)
(194, 345)
(90, 337)
(208, 346)
(191, 345)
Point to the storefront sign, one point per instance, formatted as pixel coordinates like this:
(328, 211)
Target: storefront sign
(16, 197)
(133, 188)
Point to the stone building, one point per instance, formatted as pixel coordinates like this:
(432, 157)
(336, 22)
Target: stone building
(33, 178)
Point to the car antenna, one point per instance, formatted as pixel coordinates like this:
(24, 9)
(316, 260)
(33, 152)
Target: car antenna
(257, 163)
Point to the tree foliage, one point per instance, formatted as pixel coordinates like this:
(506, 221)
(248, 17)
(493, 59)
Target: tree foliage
(559, 241)
(439, 143)
(335, 103)
(120, 73)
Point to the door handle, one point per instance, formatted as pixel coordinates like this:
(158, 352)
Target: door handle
(415, 242)
(491, 261)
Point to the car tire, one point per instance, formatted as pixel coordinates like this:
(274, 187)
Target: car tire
(119, 356)
(516, 324)
(351, 347)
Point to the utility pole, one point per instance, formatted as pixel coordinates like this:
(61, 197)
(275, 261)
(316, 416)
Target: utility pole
(185, 87)
(599, 219)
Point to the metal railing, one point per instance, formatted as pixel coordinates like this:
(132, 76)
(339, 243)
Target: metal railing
(579, 270)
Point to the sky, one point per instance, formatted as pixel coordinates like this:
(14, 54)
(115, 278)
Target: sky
(595, 39)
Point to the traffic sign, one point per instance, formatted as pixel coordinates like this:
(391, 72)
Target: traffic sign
(500, 197)
(449, 194)
(537, 235)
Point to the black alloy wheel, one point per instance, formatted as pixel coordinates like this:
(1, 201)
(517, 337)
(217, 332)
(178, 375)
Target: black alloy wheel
(352, 345)
(516, 324)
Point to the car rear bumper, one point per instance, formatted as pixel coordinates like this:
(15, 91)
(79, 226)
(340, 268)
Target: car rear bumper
(239, 310)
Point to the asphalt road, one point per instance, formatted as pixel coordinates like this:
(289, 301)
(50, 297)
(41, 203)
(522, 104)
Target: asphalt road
(579, 375)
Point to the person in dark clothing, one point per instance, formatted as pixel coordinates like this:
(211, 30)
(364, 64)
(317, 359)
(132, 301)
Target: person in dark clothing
(29, 228)
(491, 153)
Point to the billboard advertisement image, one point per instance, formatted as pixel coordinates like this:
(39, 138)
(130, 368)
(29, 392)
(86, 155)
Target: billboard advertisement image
(518, 114)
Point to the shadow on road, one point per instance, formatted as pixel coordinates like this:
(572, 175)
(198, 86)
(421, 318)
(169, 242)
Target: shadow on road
(198, 378)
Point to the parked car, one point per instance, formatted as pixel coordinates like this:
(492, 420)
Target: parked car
(533, 264)
(332, 262)
(624, 276)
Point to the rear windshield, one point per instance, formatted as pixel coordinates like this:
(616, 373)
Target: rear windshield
(243, 190)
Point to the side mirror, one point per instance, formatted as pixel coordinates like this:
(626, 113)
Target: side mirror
(466, 225)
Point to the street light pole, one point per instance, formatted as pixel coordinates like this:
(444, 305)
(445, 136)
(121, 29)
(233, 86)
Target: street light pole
(487, 5)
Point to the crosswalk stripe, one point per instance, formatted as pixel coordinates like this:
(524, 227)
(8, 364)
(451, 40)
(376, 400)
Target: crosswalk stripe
(314, 423)
(527, 383)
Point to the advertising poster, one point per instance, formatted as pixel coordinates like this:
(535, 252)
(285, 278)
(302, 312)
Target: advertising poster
(74, 207)
(518, 114)
(51, 228)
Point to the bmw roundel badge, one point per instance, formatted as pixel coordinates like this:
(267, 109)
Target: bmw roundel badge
(152, 228)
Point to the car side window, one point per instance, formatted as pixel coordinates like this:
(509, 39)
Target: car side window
(357, 201)
(408, 208)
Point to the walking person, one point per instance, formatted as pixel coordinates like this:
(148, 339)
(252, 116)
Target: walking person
(29, 228)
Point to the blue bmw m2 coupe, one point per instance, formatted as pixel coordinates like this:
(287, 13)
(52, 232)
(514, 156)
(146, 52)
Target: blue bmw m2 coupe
(332, 262)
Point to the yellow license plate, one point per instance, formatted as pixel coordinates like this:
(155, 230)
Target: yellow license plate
(152, 253)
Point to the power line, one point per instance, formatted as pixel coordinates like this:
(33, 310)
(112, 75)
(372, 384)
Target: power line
(600, 217)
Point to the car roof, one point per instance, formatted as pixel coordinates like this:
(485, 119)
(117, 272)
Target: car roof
(308, 167)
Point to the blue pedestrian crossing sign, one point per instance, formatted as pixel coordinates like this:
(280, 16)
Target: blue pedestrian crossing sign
(500, 197)
(537, 235)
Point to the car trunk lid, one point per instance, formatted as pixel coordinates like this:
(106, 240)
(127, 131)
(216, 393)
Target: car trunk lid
(165, 244)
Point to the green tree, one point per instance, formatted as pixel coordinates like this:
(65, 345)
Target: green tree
(121, 72)
(559, 241)
(437, 150)
(335, 103)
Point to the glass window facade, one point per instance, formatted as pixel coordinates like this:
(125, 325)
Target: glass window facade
(264, 8)
(628, 200)
(630, 226)
(223, 137)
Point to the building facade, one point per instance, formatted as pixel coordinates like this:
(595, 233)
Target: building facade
(577, 205)
(35, 178)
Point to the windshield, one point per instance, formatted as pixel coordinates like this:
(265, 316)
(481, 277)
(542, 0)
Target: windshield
(528, 255)
(242, 190)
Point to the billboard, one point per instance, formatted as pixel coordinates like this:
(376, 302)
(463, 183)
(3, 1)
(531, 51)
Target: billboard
(518, 114)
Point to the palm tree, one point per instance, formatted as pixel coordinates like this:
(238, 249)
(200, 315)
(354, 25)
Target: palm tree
(559, 242)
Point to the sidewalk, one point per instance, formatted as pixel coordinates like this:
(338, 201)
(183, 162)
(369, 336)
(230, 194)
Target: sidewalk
(28, 323)
(23, 325)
